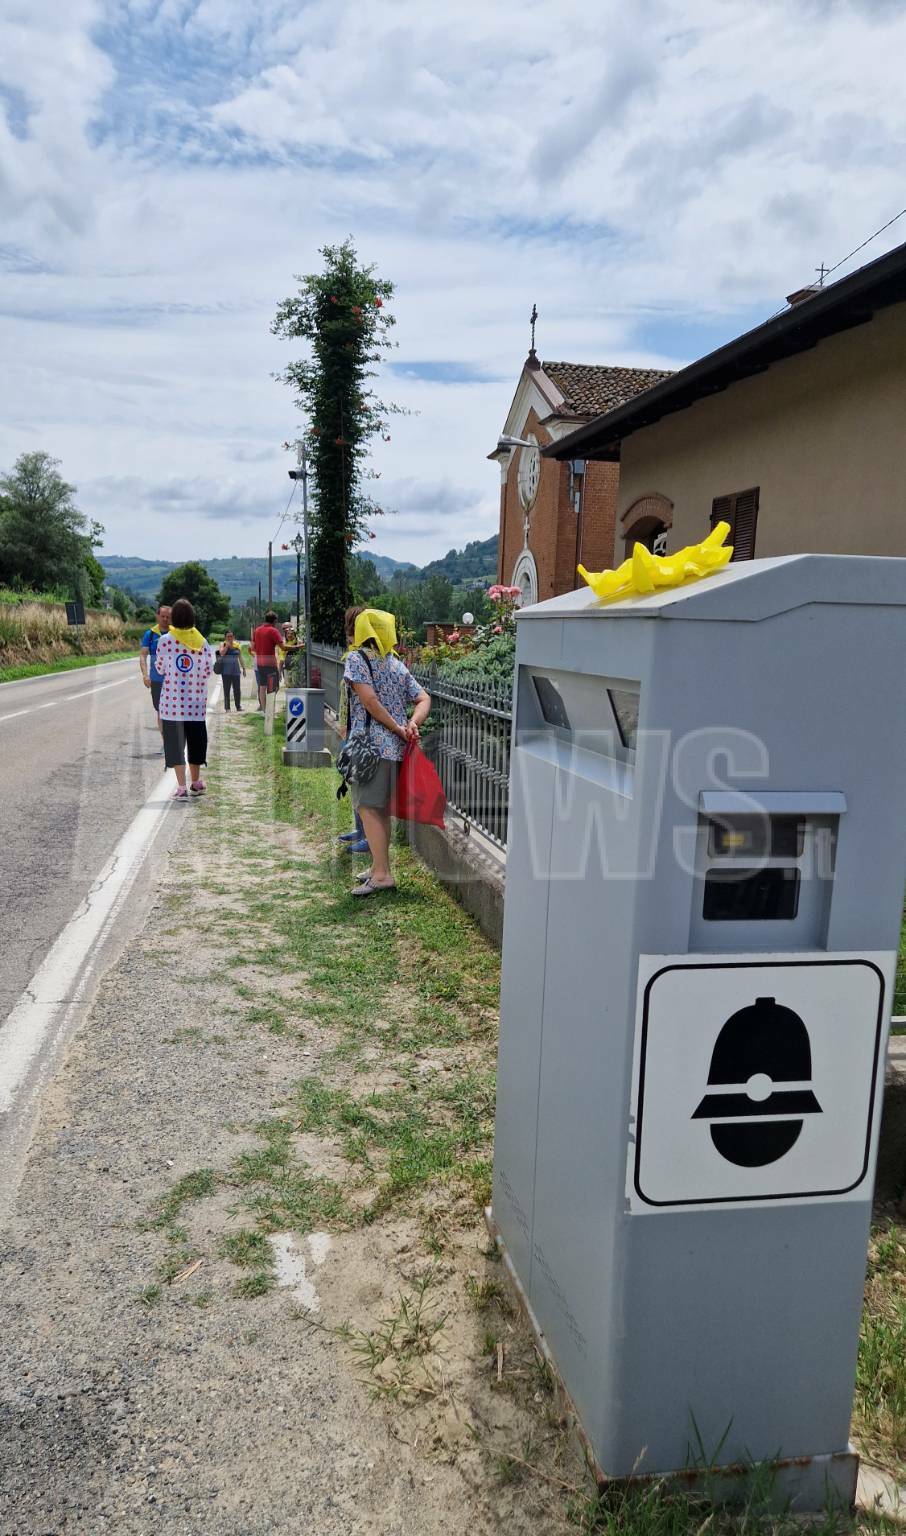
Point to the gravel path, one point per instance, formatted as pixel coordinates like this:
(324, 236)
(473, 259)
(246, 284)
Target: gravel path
(134, 1405)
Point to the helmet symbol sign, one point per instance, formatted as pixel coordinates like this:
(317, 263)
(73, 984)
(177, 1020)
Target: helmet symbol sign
(754, 1078)
(759, 1084)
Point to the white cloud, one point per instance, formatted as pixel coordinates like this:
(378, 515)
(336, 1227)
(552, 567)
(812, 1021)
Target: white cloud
(654, 177)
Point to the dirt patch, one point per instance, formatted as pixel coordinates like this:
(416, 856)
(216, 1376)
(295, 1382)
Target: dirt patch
(175, 1355)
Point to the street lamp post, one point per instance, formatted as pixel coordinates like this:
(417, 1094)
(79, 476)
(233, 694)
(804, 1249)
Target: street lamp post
(302, 474)
(298, 544)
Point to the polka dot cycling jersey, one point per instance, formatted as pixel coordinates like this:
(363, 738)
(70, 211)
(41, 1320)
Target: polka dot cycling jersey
(185, 673)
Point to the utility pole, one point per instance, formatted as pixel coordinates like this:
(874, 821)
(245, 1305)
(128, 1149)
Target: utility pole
(270, 574)
(302, 474)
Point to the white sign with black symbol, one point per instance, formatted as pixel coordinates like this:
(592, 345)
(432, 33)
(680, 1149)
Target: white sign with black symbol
(755, 1079)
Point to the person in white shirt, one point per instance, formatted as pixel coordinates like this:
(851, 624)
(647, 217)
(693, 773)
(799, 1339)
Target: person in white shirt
(185, 662)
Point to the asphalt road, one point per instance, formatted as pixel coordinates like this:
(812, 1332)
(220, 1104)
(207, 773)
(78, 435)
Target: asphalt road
(79, 753)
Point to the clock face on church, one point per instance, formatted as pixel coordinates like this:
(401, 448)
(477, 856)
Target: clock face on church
(529, 472)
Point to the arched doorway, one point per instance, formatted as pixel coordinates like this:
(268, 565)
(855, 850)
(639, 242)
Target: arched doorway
(647, 522)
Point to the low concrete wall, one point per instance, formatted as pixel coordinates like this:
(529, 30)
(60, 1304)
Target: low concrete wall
(468, 870)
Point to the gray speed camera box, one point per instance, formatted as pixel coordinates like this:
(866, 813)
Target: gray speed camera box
(707, 848)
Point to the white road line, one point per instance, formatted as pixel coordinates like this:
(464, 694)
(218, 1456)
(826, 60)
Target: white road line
(85, 691)
(45, 677)
(33, 708)
(30, 711)
(61, 980)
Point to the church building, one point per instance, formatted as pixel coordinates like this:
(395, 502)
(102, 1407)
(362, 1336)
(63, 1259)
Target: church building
(555, 515)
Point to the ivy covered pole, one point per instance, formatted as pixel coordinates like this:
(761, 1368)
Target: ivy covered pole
(343, 313)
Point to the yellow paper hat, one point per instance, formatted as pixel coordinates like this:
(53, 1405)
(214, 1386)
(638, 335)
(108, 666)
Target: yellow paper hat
(374, 624)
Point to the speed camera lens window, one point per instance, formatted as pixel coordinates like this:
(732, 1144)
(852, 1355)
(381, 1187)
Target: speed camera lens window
(756, 837)
(552, 706)
(625, 703)
(751, 895)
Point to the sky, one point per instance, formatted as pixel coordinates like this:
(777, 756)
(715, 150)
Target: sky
(655, 176)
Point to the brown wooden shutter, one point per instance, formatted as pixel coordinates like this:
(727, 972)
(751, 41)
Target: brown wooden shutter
(722, 510)
(741, 511)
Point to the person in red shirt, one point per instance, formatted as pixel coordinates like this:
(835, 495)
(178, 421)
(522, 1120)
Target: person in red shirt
(265, 640)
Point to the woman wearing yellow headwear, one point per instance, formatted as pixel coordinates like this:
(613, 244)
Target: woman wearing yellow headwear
(381, 688)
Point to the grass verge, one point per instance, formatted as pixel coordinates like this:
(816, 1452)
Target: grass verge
(398, 996)
(15, 673)
(880, 1404)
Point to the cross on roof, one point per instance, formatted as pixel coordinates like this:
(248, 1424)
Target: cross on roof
(533, 317)
(822, 272)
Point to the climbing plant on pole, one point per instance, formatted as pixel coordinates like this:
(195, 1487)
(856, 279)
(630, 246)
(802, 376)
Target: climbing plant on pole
(343, 313)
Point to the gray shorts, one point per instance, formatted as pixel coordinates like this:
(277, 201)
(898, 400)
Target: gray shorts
(376, 794)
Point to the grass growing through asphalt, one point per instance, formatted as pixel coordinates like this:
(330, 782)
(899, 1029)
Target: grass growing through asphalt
(425, 1131)
(400, 1357)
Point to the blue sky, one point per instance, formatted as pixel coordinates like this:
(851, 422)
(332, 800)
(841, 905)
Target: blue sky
(656, 177)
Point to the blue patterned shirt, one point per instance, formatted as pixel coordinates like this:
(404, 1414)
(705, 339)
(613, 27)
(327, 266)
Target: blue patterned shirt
(396, 689)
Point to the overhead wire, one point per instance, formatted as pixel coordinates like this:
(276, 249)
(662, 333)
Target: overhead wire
(286, 510)
(861, 247)
(844, 259)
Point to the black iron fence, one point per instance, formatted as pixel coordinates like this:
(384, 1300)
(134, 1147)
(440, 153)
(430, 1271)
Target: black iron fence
(327, 660)
(470, 746)
(468, 738)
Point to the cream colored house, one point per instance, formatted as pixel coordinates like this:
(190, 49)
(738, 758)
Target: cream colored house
(795, 433)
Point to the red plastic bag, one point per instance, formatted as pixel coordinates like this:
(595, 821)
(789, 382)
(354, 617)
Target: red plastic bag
(419, 793)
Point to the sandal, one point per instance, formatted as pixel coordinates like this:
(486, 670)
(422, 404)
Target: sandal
(367, 887)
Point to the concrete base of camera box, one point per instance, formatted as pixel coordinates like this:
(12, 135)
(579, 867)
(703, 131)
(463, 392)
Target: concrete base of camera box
(320, 759)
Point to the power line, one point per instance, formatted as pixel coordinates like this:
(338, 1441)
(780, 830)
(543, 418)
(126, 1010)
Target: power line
(865, 242)
(285, 510)
(826, 271)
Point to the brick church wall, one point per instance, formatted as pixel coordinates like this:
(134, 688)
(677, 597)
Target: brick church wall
(599, 511)
(552, 532)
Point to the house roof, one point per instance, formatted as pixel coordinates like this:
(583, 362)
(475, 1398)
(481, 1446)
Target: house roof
(838, 307)
(588, 389)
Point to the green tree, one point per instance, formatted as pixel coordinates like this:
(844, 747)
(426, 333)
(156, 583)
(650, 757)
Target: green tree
(192, 581)
(95, 579)
(120, 603)
(365, 584)
(45, 541)
(342, 313)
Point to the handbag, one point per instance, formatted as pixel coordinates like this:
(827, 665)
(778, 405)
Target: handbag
(419, 794)
(218, 666)
(358, 759)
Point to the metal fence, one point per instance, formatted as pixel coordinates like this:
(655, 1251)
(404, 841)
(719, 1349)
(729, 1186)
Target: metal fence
(471, 748)
(468, 738)
(328, 659)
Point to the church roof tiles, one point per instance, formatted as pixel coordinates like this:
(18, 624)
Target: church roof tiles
(590, 389)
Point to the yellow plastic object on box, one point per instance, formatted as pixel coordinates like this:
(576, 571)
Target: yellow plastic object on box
(644, 572)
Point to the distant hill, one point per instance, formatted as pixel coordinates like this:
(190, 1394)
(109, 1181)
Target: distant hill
(477, 562)
(239, 575)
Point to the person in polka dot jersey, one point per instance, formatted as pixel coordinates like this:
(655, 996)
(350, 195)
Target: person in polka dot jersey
(185, 663)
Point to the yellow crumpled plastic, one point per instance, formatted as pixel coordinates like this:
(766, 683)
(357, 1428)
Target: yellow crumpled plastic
(644, 572)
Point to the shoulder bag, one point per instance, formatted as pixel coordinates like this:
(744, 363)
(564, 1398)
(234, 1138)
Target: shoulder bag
(358, 759)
